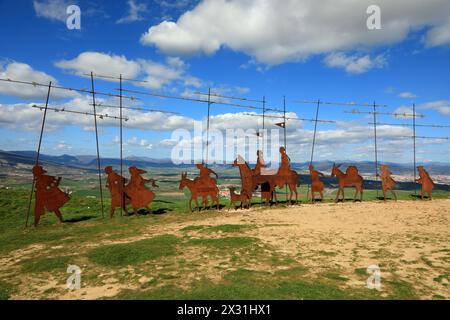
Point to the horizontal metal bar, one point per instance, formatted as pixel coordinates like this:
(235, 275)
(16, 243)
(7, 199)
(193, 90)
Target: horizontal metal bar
(411, 125)
(101, 116)
(228, 97)
(386, 113)
(133, 108)
(158, 95)
(67, 88)
(113, 78)
(340, 103)
(287, 118)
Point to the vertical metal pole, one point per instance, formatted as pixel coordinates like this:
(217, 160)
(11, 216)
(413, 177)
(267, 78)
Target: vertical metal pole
(121, 147)
(285, 142)
(38, 152)
(207, 125)
(284, 119)
(96, 139)
(414, 147)
(375, 144)
(314, 144)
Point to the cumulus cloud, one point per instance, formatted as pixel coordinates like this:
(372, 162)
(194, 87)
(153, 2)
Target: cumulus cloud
(52, 9)
(135, 11)
(439, 35)
(354, 64)
(101, 63)
(24, 72)
(157, 74)
(442, 106)
(272, 33)
(24, 117)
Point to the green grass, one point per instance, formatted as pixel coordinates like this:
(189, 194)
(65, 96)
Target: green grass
(45, 264)
(134, 252)
(5, 290)
(225, 243)
(228, 228)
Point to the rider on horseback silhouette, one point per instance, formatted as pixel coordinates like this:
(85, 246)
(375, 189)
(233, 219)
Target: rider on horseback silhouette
(205, 175)
(285, 168)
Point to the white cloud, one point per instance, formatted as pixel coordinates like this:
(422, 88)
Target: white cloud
(354, 64)
(24, 117)
(442, 106)
(54, 10)
(101, 63)
(272, 33)
(407, 95)
(135, 141)
(439, 35)
(134, 12)
(24, 72)
(157, 74)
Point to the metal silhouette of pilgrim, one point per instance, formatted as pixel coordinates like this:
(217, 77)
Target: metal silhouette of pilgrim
(48, 196)
(116, 186)
(426, 182)
(141, 196)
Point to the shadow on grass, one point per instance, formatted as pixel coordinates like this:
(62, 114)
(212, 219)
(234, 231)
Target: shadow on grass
(78, 219)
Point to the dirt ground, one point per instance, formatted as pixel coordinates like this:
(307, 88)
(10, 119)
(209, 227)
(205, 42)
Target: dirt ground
(408, 240)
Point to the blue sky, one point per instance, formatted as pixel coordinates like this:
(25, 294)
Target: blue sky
(236, 48)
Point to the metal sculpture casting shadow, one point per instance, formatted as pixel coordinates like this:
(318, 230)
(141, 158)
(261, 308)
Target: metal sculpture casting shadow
(387, 183)
(260, 177)
(203, 186)
(317, 186)
(243, 198)
(426, 182)
(48, 196)
(140, 195)
(116, 185)
(350, 178)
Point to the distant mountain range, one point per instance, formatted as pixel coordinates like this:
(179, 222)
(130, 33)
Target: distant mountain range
(14, 158)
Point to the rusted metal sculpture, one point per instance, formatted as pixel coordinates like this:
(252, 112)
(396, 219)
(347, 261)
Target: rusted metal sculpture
(48, 195)
(350, 178)
(203, 186)
(426, 182)
(387, 183)
(116, 186)
(242, 197)
(141, 196)
(316, 184)
(268, 180)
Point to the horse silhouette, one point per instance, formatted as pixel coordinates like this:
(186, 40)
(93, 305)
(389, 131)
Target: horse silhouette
(243, 198)
(349, 179)
(316, 184)
(200, 188)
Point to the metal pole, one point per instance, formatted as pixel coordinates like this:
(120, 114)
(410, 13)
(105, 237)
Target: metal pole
(207, 126)
(285, 142)
(414, 147)
(375, 144)
(38, 152)
(96, 139)
(314, 144)
(121, 148)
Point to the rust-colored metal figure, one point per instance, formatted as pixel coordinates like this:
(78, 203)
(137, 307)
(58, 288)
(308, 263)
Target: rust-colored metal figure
(349, 179)
(242, 197)
(260, 163)
(426, 182)
(252, 179)
(48, 195)
(141, 196)
(316, 184)
(116, 186)
(387, 183)
(201, 187)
